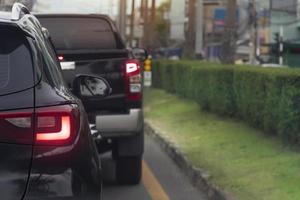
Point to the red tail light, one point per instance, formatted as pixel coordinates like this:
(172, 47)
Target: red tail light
(133, 80)
(61, 58)
(55, 125)
(63, 134)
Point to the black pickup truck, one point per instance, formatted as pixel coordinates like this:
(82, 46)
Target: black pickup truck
(91, 45)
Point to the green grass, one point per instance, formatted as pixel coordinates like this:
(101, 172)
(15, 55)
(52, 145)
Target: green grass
(240, 159)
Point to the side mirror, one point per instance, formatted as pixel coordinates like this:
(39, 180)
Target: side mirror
(140, 54)
(86, 86)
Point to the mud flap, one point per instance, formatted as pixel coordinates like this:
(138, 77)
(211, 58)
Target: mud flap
(131, 146)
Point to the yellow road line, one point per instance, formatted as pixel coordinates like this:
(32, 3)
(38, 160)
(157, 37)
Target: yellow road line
(152, 185)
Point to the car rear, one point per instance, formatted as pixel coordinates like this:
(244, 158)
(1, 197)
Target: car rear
(91, 45)
(46, 147)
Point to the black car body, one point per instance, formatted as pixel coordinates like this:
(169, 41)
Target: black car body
(47, 150)
(91, 44)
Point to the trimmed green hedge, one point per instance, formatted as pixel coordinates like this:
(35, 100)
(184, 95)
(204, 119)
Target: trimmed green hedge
(266, 98)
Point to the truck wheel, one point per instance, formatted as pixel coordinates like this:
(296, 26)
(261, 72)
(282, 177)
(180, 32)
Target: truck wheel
(82, 190)
(129, 170)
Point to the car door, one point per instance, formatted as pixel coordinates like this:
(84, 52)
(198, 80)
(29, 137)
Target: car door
(16, 112)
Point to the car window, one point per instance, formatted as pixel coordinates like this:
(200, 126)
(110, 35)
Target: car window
(51, 66)
(80, 33)
(55, 67)
(16, 66)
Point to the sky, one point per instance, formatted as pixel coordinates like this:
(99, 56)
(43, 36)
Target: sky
(109, 7)
(81, 6)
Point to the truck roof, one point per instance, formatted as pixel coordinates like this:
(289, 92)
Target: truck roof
(73, 15)
(80, 31)
(70, 15)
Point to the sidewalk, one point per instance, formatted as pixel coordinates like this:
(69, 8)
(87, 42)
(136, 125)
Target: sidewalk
(238, 159)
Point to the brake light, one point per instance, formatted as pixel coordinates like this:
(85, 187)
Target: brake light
(60, 58)
(133, 80)
(56, 125)
(131, 67)
(63, 134)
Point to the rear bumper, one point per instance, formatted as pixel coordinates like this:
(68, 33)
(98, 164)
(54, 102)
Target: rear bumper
(120, 125)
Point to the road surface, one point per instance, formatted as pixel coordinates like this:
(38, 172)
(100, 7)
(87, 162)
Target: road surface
(162, 180)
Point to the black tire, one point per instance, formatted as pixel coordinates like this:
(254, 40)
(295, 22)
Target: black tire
(82, 190)
(129, 170)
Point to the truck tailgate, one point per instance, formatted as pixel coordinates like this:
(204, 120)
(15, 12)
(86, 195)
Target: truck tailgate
(107, 64)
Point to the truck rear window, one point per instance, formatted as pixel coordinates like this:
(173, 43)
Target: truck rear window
(72, 33)
(16, 68)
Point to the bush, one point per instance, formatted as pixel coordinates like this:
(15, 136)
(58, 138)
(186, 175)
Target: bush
(266, 98)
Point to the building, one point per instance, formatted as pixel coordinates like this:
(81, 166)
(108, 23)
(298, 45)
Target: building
(178, 20)
(77, 6)
(215, 14)
(214, 23)
(285, 16)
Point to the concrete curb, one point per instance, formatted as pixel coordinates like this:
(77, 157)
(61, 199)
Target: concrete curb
(198, 177)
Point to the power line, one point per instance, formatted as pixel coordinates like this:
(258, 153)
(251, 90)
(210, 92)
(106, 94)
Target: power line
(297, 6)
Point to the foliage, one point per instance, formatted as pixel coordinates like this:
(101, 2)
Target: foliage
(266, 98)
(241, 160)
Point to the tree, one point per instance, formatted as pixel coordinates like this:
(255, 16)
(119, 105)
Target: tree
(230, 35)
(162, 24)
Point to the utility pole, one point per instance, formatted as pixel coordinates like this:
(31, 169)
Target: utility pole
(122, 18)
(190, 45)
(132, 19)
(281, 46)
(153, 22)
(253, 22)
(199, 28)
(146, 23)
(153, 11)
(229, 43)
(142, 8)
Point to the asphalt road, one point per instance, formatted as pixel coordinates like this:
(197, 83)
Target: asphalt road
(162, 180)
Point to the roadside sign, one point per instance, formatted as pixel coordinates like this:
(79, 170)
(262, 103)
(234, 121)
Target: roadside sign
(148, 73)
(147, 79)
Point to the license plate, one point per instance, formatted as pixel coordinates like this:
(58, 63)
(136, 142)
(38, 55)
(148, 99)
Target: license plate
(67, 65)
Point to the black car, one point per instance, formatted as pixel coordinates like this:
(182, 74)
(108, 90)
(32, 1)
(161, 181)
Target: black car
(90, 44)
(47, 150)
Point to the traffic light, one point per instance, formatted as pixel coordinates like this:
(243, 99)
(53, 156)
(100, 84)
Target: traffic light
(277, 38)
(278, 46)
